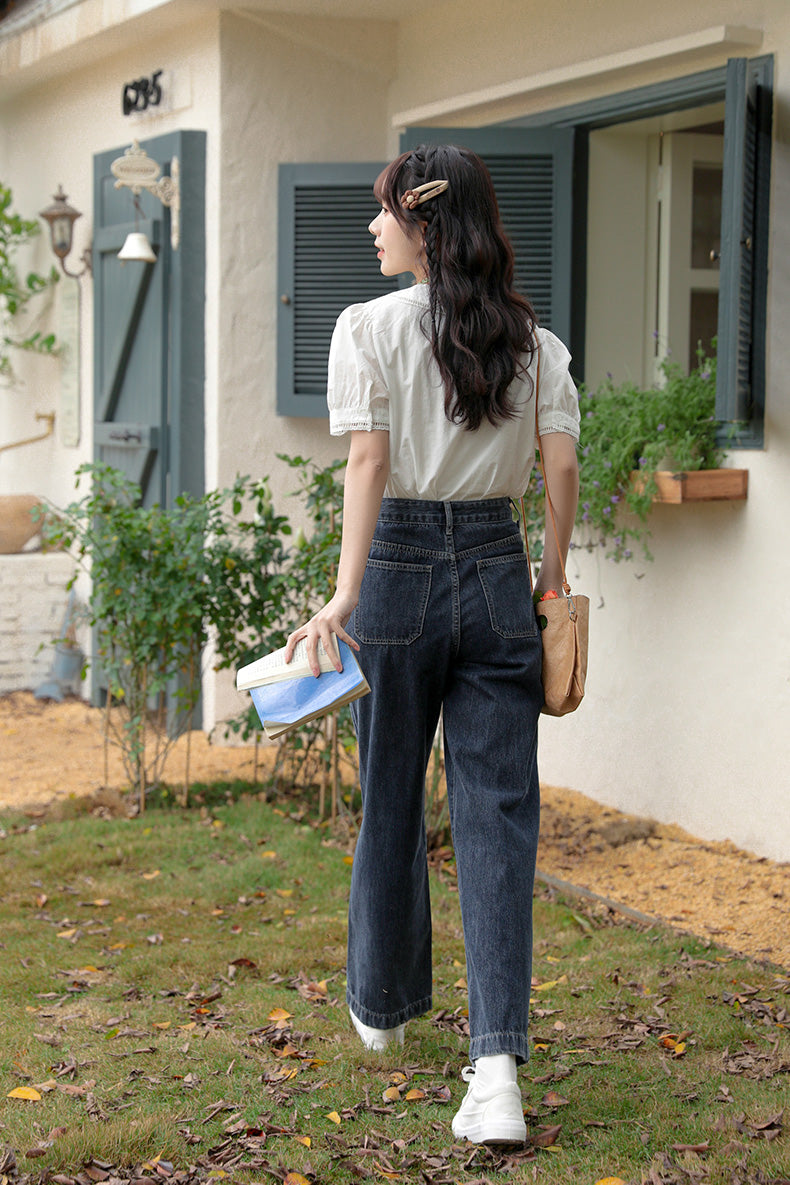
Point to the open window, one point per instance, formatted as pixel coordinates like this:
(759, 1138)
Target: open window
(639, 222)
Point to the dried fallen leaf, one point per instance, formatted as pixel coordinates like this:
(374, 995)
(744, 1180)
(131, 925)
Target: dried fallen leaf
(278, 1014)
(295, 1179)
(546, 1137)
(550, 983)
(610, 1181)
(414, 1093)
(28, 1093)
(333, 1115)
(391, 1095)
(150, 876)
(553, 1099)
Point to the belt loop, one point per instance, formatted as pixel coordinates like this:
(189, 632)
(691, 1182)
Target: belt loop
(448, 517)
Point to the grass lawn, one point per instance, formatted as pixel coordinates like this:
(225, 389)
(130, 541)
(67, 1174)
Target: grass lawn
(173, 1004)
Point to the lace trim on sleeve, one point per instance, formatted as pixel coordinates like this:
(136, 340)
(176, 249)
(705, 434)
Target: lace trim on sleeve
(342, 420)
(558, 421)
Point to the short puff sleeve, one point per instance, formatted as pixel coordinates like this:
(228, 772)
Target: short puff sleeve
(558, 399)
(356, 392)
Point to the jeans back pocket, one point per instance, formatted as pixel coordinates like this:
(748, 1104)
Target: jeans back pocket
(392, 602)
(508, 593)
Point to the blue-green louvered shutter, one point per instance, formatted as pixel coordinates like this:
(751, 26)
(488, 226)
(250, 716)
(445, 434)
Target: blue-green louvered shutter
(326, 262)
(532, 171)
(740, 389)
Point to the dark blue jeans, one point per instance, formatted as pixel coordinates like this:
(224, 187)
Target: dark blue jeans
(445, 621)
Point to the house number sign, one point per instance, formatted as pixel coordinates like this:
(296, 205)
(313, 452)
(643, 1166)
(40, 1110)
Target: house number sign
(142, 94)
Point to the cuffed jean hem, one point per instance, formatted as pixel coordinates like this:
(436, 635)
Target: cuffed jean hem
(491, 1043)
(387, 1020)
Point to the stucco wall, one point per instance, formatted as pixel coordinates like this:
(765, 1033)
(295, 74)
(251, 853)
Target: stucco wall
(688, 697)
(689, 681)
(50, 130)
(292, 91)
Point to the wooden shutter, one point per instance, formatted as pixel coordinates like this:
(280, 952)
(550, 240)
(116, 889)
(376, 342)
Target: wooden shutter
(740, 388)
(532, 171)
(326, 262)
(148, 327)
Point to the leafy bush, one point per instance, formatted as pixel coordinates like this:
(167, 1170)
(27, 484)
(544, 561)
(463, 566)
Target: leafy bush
(16, 293)
(165, 582)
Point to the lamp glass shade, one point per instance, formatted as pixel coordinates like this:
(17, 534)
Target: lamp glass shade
(61, 235)
(138, 248)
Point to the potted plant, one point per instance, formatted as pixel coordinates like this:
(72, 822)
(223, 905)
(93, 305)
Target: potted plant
(639, 446)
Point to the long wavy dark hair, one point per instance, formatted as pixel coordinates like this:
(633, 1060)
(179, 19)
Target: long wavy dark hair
(482, 331)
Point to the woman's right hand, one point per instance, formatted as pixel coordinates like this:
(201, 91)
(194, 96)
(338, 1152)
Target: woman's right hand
(331, 619)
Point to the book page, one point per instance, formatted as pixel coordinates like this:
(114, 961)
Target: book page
(272, 668)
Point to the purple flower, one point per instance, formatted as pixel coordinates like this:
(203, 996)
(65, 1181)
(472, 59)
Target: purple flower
(627, 553)
(586, 451)
(643, 461)
(585, 505)
(608, 464)
(705, 374)
(589, 415)
(661, 428)
(607, 510)
(597, 485)
(585, 517)
(615, 498)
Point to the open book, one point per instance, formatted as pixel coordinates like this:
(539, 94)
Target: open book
(288, 695)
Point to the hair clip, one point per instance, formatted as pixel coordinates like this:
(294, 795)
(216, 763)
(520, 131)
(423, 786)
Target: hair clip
(423, 193)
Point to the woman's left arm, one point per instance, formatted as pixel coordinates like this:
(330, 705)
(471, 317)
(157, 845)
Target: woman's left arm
(366, 476)
(562, 478)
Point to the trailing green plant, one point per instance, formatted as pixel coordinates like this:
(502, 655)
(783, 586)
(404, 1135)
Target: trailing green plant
(17, 292)
(627, 430)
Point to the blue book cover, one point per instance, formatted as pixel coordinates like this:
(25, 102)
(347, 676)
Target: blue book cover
(288, 696)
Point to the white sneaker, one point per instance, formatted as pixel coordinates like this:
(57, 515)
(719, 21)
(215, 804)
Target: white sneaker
(490, 1114)
(377, 1038)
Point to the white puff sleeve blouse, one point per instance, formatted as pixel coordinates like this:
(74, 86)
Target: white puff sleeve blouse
(382, 376)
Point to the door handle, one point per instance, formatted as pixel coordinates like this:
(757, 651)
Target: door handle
(126, 436)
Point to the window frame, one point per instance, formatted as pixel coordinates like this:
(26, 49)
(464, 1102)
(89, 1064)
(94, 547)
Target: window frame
(686, 92)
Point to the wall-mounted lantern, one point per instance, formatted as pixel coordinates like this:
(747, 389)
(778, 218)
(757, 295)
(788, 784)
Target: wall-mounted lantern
(61, 218)
(136, 170)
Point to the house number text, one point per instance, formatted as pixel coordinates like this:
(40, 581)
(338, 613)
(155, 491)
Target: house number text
(142, 94)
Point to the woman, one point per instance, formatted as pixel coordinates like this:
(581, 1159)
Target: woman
(436, 384)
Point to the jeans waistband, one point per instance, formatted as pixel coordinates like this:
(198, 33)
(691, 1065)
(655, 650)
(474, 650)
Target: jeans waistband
(418, 510)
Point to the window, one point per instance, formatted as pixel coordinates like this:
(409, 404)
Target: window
(562, 176)
(733, 105)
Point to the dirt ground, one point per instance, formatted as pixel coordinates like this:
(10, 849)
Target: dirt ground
(53, 751)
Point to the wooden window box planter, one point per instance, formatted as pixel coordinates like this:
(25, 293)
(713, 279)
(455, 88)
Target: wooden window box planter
(699, 485)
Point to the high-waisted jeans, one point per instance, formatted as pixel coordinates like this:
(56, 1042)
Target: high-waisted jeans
(445, 621)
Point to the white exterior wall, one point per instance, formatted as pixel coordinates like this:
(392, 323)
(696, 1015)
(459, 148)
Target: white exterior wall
(51, 128)
(293, 91)
(685, 717)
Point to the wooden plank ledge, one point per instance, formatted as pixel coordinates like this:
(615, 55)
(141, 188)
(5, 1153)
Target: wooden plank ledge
(698, 485)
